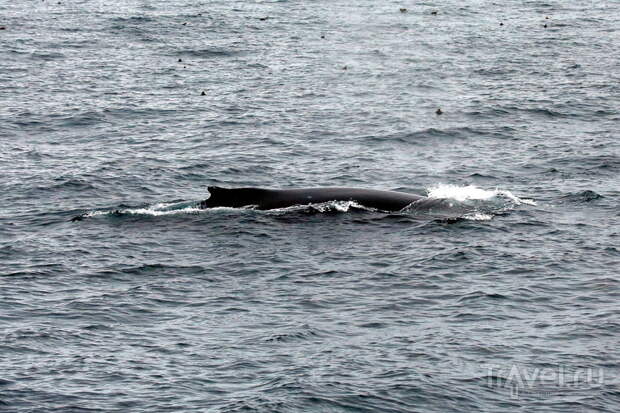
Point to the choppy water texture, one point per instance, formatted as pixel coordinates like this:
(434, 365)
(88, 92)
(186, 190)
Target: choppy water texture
(149, 304)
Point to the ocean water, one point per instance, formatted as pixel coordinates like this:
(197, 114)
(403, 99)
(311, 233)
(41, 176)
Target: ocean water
(149, 304)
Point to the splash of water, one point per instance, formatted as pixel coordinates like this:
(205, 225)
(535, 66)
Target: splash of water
(156, 210)
(340, 206)
(472, 192)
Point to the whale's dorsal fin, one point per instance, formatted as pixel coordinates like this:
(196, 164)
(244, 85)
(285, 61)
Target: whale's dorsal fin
(231, 197)
(218, 195)
(215, 189)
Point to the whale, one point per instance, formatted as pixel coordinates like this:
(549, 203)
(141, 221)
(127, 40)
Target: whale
(265, 198)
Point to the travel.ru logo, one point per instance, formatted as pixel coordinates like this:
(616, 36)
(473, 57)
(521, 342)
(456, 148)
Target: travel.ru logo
(522, 380)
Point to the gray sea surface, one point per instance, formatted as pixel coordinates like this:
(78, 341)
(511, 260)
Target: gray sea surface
(121, 113)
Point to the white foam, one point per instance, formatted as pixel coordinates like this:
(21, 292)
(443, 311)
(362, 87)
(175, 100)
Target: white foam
(472, 192)
(478, 216)
(157, 213)
(156, 210)
(340, 206)
(95, 213)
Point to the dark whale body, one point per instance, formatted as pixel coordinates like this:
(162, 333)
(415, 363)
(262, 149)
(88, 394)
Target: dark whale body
(262, 198)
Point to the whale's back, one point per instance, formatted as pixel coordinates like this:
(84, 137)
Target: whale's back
(263, 198)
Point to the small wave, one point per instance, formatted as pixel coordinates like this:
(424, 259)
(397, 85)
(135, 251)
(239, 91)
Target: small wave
(47, 56)
(472, 192)
(423, 136)
(133, 19)
(323, 208)
(166, 208)
(302, 333)
(68, 184)
(478, 216)
(159, 209)
(583, 196)
(340, 206)
(209, 52)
